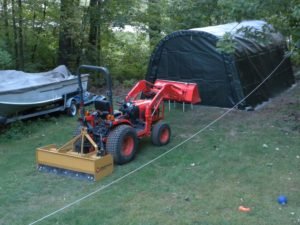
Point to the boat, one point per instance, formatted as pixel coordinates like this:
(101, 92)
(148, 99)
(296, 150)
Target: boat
(21, 91)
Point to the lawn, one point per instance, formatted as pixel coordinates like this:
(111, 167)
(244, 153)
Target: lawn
(246, 158)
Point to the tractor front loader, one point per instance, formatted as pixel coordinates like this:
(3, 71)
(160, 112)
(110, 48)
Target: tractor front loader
(109, 136)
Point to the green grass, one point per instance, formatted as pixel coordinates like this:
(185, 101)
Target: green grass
(247, 158)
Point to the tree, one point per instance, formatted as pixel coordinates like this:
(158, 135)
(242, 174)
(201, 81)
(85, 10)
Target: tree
(94, 40)
(193, 14)
(154, 12)
(286, 19)
(20, 36)
(103, 16)
(68, 49)
(39, 34)
(5, 43)
(37, 26)
(15, 32)
(5, 20)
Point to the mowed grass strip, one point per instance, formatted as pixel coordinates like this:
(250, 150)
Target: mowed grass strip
(247, 158)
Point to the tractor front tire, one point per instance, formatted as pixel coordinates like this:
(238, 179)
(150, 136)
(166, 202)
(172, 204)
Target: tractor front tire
(122, 144)
(161, 133)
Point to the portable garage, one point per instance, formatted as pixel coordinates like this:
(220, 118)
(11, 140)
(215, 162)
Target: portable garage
(224, 79)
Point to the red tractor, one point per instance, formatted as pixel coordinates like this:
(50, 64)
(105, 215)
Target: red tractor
(106, 131)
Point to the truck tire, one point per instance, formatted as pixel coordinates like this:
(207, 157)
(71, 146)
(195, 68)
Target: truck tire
(161, 133)
(122, 144)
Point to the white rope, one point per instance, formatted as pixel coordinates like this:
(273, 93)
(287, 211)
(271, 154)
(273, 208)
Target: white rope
(165, 153)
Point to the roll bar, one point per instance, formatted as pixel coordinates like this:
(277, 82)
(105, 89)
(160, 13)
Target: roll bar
(99, 69)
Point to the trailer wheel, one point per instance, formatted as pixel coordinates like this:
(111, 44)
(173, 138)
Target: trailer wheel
(72, 110)
(122, 144)
(2, 120)
(161, 133)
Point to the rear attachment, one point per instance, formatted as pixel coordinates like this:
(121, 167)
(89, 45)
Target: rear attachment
(68, 160)
(65, 172)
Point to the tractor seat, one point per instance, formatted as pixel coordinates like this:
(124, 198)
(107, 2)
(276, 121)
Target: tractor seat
(117, 113)
(102, 105)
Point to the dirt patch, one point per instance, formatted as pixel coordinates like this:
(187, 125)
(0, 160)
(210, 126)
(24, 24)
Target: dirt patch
(284, 109)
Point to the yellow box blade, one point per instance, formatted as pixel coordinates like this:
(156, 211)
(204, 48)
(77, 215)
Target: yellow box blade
(97, 166)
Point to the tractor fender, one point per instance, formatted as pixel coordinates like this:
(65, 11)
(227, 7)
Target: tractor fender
(121, 122)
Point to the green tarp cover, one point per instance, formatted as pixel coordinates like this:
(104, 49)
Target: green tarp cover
(224, 79)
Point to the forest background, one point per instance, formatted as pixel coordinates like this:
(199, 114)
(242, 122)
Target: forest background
(38, 35)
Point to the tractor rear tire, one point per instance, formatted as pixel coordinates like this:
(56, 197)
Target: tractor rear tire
(122, 144)
(161, 133)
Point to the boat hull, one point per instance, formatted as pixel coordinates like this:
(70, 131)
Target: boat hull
(16, 101)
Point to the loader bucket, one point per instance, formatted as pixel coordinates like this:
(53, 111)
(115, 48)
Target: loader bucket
(69, 161)
(189, 91)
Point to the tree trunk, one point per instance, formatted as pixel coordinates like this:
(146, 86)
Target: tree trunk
(6, 27)
(95, 31)
(67, 52)
(154, 23)
(20, 34)
(16, 46)
(94, 22)
(64, 37)
(34, 49)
